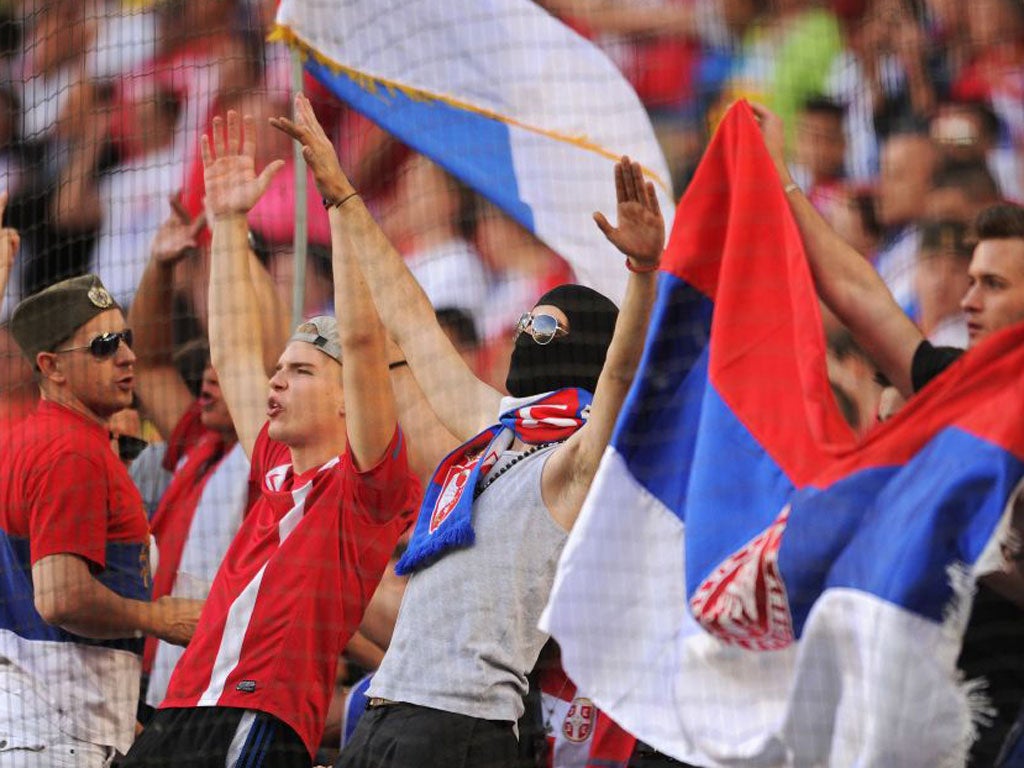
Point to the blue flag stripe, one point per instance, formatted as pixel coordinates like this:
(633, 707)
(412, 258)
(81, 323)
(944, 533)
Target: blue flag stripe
(474, 148)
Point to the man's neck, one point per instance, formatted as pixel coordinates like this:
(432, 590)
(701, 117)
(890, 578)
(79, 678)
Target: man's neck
(307, 457)
(72, 403)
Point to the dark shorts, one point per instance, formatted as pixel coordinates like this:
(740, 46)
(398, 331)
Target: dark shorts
(202, 737)
(408, 736)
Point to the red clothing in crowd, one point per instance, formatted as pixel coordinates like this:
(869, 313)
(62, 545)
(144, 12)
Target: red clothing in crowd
(294, 585)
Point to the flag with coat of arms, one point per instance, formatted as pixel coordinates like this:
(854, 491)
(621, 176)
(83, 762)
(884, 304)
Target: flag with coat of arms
(747, 584)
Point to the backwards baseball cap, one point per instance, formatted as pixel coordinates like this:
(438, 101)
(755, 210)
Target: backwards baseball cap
(45, 319)
(322, 332)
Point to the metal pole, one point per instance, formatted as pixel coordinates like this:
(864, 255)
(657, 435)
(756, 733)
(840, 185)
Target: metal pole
(300, 236)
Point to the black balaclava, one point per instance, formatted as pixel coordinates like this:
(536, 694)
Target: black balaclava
(573, 360)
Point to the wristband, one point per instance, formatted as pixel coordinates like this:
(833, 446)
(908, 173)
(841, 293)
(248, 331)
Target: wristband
(642, 270)
(328, 204)
(397, 364)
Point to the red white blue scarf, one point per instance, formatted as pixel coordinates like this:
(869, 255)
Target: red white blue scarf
(445, 520)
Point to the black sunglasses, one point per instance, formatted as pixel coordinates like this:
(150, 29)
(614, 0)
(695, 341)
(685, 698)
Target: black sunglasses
(105, 345)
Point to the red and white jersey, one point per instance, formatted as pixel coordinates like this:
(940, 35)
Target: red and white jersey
(294, 585)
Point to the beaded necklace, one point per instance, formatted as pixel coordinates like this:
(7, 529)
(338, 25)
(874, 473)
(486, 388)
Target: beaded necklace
(495, 474)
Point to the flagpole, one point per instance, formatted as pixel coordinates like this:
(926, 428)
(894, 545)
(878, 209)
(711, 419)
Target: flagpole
(300, 235)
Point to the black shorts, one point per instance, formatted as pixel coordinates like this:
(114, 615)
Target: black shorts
(203, 737)
(408, 736)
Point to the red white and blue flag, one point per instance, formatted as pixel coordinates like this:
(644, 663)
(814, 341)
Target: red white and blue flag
(747, 584)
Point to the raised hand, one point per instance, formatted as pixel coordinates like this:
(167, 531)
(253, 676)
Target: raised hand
(774, 132)
(9, 243)
(176, 237)
(317, 150)
(640, 233)
(229, 167)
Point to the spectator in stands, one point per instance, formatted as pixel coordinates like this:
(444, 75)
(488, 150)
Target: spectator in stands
(960, 191)
(122, 204)
(995, 30)
(74, 542)
(202, 507)
(941, 280)
(882, 79)
(969, 131)
(852, 375)
(908, 162)
(451, 684)
(334, 494)
(786, 57)
(993, 643)
(820, 149)
(853, 212)
(10, 241)
(434, 217)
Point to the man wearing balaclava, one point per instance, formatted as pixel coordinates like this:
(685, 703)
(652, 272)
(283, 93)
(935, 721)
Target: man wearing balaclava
(498, 509)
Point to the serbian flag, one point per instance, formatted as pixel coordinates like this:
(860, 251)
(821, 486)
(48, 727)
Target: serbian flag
(501, 94)
(747, 584)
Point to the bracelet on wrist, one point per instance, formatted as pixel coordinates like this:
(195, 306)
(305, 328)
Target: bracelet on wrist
(791, 187)
(641, 270)
(328, 204)
(397, 364)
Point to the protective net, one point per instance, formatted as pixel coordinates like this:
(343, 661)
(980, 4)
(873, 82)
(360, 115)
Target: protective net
(659, 358)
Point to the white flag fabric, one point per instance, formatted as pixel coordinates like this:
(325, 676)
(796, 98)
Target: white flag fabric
(501, 94)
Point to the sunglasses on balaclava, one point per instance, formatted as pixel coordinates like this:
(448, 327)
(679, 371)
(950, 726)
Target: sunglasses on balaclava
(545, 359)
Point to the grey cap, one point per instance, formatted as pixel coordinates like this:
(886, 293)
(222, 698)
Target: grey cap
(322, 332)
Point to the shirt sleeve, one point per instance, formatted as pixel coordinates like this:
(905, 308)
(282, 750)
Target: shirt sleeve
(70, 513)
(386, 490)
(929, 361)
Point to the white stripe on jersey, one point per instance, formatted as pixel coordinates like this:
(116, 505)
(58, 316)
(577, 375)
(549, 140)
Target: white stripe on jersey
(240, 612)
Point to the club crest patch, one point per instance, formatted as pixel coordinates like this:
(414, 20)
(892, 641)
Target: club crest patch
(455, 482)
(579, 720)
(743, 602)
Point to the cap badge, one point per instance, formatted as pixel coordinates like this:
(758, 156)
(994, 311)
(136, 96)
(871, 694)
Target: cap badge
(100, 298)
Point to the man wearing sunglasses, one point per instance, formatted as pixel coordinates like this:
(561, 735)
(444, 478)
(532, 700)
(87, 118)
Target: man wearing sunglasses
(496, 515)
(74, 542)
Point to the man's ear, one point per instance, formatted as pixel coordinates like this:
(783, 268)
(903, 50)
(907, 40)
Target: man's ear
(50, 368)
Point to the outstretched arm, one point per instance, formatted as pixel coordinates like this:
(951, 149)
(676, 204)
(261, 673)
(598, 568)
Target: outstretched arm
(9, 243)
(846, 281)
(462, 402)
(640, 235)
(160, 386)
(232, 189)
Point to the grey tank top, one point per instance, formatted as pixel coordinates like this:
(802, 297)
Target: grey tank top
(467, 635)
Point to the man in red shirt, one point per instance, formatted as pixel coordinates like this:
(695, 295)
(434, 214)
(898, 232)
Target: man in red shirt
(74, 542)
(334, 494)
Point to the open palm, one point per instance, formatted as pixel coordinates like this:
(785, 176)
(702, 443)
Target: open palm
(640, 233)
(229, 167)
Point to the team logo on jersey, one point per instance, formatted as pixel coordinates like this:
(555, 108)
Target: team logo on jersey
(743, 602)
(579, 720)
(455, 482)
(274, 478)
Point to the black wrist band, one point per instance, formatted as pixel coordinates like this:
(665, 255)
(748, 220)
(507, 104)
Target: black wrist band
(328, 204)
(397, 364)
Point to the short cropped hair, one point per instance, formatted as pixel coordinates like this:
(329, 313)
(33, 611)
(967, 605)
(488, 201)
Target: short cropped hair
(998, 222)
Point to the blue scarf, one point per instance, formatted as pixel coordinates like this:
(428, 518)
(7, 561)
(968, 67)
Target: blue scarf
(445, 520)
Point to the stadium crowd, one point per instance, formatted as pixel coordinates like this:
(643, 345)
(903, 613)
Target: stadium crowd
(155, 497)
